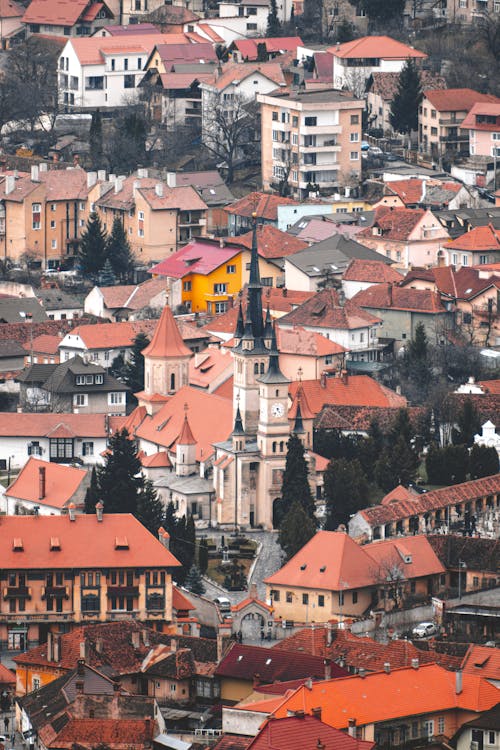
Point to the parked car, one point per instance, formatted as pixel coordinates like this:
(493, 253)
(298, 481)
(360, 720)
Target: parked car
(223, 604)
(375, 151)
(425, 629)
(389, 156)
(365, 145)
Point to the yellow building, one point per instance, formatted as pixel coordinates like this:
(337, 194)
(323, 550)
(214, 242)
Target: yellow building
(204, 275)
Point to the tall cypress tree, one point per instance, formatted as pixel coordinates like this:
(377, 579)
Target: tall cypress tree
(273, 23)
(346, 491)
(134, 368)
(95, 140)
(119, 252)
(296, 529)
(92, 248)
(92, 494)
(404, 108)
(295, 485)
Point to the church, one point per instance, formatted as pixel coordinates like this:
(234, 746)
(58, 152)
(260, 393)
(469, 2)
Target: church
(226, 458)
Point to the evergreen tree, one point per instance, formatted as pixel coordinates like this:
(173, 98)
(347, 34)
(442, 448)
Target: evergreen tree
(483, 461)
(106, 276)
(170, 520)
(404, 108)
(92, 493)
(119, 252)
(262, 55)
(469, 424)
(417, 362)
(402, 427)
(447, 465)
(120, 479)
(182, 544)
(295, 483)
(118, 368)
(203, 556)
(273, 23)
(194, 581)
(397, 465)
(345, 32)
(346, 491)
(296, 529)
(134, 368)
(95, 140)
(149, 509)
(92, 248)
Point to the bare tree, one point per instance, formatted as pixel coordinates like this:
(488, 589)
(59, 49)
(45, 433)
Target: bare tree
(230, 130)
(391, 580)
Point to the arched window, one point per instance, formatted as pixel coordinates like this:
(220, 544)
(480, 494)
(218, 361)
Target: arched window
(172, 381)
(282, 446)
(276, 393)
(262, 368)
(256, 368)
(274, 447)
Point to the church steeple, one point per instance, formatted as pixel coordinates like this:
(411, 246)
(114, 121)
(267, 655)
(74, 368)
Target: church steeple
(273, 374)
(238, 433)
(255, 289)
(298, 427)
(268, 328)
(240, 328)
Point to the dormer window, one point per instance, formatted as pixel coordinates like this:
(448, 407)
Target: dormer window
(80, 380)
(17, 544)
(121, 542)
(99, 379)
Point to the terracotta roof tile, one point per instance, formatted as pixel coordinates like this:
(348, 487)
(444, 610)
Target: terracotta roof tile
(383, 47)
(167, 340)
(482, 661)
(265, 206)
(40, 425)
(92, 50)
(482, 108)
(115, 733)
(209, 365)
(293, 733)
(456, 100)
(44, 344)
(54, 12)
(307, 343)
(6, 676)
(359, 418)
(396, 223)
(273, 243)
(234, 73)
(156, 460)
(355, 390)
(61, 483)
(370, 271)
(248, 48)
(478, 240)
(324, 310)
(10, 9)
(390, 297)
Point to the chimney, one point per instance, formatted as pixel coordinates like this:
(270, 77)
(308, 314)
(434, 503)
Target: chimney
(329, 634)
(362, 672)
(221, 242)
(98, 645)
(99, 507)
(389, 295)
(142, 173)
(80, 666)
(10, 183)
(71, 512)
(256, 681)
(387, 667)
(118, 184)
(101, 175)
(173, 645)
(145, 637)
(328, 669)
(458, 682)
(415, 663)
(164, 537)
(308, 683)
(41, 482)
(43, 167)
(82, 650)
(91, 179)
(299, 714)
(50, 646)
(319, 745)
(159, 189)
(35, 175)
(284, 291)
(316, 712)
(323, 380)
(171, 179)
(56, 648)
(351, 731)
(344, 377)
(136, 639)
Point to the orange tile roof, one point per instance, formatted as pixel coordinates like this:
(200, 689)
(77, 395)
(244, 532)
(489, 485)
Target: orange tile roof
(482, 108)
(234, 73)
(225, 390)
(167, 340)
(93, 50)
(320, 461)
(324, 310)
(390, 297)
(456, 100)
(6, 676)
(180, 601)
(186, 436)
(426, 690)
(294, 733)
(113, 733)
(44, 344)
(383, 47)
(305, 343)
(116, 296)
(356, 390)
(490, 386)
(54, 12)
(396, 223)
(370, 271)
(61, 483)
(398, 493)
(156, 460)
(41, 425)
(265, 206)
(208, 365)
(477, 240)
(84, 543)
(333, 561)
(210, 417)
(10, 9)
(300, 398)
(272, 242)
(483, 661)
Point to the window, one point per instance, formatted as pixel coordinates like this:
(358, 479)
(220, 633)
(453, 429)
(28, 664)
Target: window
(413, 587)
(483, 259)
(289, 597)
(354, 156)
(341, 598)
(454, 259)
(295, 139)
(491, 734)
(88, 448)
(53, 207)
(305, 598)
(139, 63)
(440, 724)
(433, 114)
(354, 137)
(267, 281)
(35, 683)
(36, 209)
(220, 307)
(129, 81)
(113, 64)
(475, 582)
(310, 121)
(434, 131)
(354, 597)
(231, 269)
(251, 27)
(321, 600)
(275, 595)
(80, 399)
(52, 224)
(354, 119)
(187, 286)
(53, 244)
(465, 260)
(34, 448)
(61, 448)
(94, 83)
(276, 135)
(116, 398)
(220, 288)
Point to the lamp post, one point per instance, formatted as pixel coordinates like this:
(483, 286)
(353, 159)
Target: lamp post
(461, 566)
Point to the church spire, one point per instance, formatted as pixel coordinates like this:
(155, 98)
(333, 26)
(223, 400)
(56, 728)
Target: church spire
(268, 328)
(274, 374)
(238, 333)
(255, 288)
(298, 427)
(238, 423)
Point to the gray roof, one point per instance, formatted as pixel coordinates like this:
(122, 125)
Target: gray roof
(315, 97)
(62, 379)
(193, 485)
(333, 254)
(209, 185)
(11, 349)
(11, 309)
(36, 374)
(462, 219)
(55, 299)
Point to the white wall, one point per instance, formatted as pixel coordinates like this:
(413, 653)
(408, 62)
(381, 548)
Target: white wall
(17, 448)
(297, 281)
(236, 721)
(288, 215)
(94, 304)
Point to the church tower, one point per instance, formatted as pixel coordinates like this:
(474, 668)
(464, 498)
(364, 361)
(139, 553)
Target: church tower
(166, 363)
(251, 356)
(185, 449)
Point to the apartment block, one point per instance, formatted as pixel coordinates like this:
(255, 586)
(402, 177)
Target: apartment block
(311, 140)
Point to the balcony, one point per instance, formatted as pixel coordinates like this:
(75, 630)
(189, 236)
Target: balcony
(17, 592)
(321, 129)
(318, 168)
(58, 592)
(122, 615)
(321, 148)
(37, 617)
(123, 591)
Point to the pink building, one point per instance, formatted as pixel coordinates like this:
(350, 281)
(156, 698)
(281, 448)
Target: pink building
(483, 123)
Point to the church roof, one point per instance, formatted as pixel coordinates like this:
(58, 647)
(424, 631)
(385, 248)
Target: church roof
(166, 341)
(186, 436)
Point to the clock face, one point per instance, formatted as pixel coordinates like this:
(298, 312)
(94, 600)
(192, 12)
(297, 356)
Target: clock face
(277, 410)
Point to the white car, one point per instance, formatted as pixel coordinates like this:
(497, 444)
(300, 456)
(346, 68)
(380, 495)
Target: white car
(425, 629)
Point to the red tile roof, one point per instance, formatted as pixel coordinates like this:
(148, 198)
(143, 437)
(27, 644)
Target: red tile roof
(41, 425)
(456, 100)
(383, 47)
(490, 386)
(370, 271)
(483, 661)
(308, 732)
(355, 390)
(248, 48)
(180, 602)
(198, 257)
(54, 12)
(6, 676)
(113, 733)
(306, 343)
(390, 297)
(61, 483)
(272, 243)
(209, 365)
(156, 460)
(44, 344)
(395, 223)
(324, 310)
(427, 690)
(482, 108)
(234, 73)
(351, 566)
(10, 9)
(92, 50)
(243, 662)
(167, 340)
(265, 206)
(477, 240)
(386, 84)
(414, 190)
